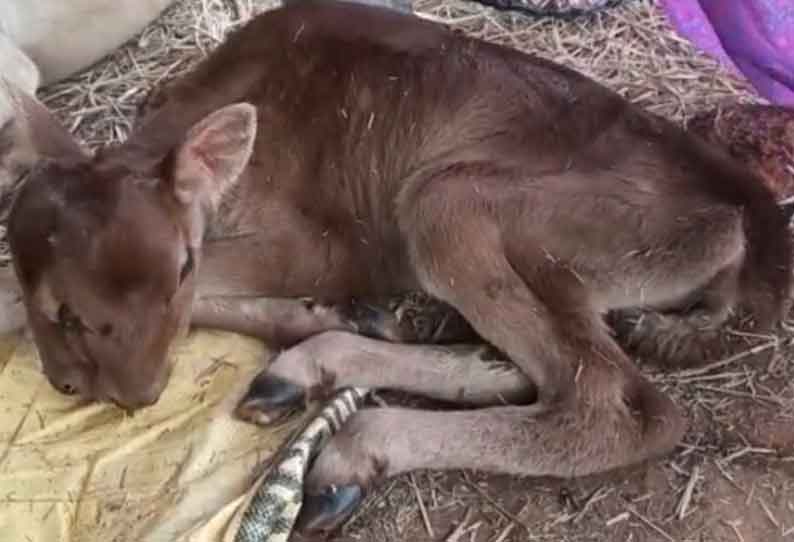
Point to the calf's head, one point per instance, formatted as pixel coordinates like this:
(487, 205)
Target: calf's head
(107, 253)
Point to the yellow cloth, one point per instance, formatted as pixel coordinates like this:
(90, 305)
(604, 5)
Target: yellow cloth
(177, 471)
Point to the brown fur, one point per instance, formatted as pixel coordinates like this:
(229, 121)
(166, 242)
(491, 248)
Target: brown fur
(388, 154)
(28, 133)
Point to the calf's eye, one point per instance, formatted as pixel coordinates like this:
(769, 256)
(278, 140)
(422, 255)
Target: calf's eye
(67, 320)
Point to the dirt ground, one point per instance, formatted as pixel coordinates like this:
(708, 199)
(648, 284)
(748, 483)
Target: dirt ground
(732, 478)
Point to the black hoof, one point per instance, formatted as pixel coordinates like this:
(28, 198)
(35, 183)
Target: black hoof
(269, 400)
(375, 322)
(624, 323)
(325, 512)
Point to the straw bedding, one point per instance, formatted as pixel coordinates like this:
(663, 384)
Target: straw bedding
(631, 49)
(723, 484)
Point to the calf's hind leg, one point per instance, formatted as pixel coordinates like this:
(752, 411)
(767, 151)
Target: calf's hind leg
(540, 318)
(616, 418)
(594, 411)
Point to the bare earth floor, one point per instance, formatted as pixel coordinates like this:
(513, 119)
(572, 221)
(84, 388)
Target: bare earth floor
(733, 476)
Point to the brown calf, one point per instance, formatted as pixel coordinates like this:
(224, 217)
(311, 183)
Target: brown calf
(337, 151)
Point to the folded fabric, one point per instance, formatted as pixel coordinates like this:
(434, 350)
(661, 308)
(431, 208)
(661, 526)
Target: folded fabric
(178, 471)
(753, 37)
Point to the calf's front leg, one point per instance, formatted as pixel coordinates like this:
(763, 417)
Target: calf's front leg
(315, 368)
(278, 321)
(410, 317)
(282, 322)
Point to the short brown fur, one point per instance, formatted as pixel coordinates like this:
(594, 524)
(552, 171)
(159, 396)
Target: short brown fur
(379, 154)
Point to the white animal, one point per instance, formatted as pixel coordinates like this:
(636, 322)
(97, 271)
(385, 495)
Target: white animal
(62, 37)
(44, 41)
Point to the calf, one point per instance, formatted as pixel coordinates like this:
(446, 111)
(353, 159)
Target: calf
(333, 151)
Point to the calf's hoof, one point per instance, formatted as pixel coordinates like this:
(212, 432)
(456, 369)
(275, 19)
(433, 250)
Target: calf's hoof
(270, 400)
(375, 322)
(414, 318)
(325, 512)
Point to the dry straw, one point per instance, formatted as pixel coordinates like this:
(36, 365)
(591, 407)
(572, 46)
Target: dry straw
(631, 49)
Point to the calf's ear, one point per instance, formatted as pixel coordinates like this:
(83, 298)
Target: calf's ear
(29, 132)
(214, 154)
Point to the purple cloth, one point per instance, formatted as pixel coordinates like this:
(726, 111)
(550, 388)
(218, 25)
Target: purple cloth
(754, 37)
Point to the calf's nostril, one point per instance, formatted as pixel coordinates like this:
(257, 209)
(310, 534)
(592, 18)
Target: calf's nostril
(68, 389)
